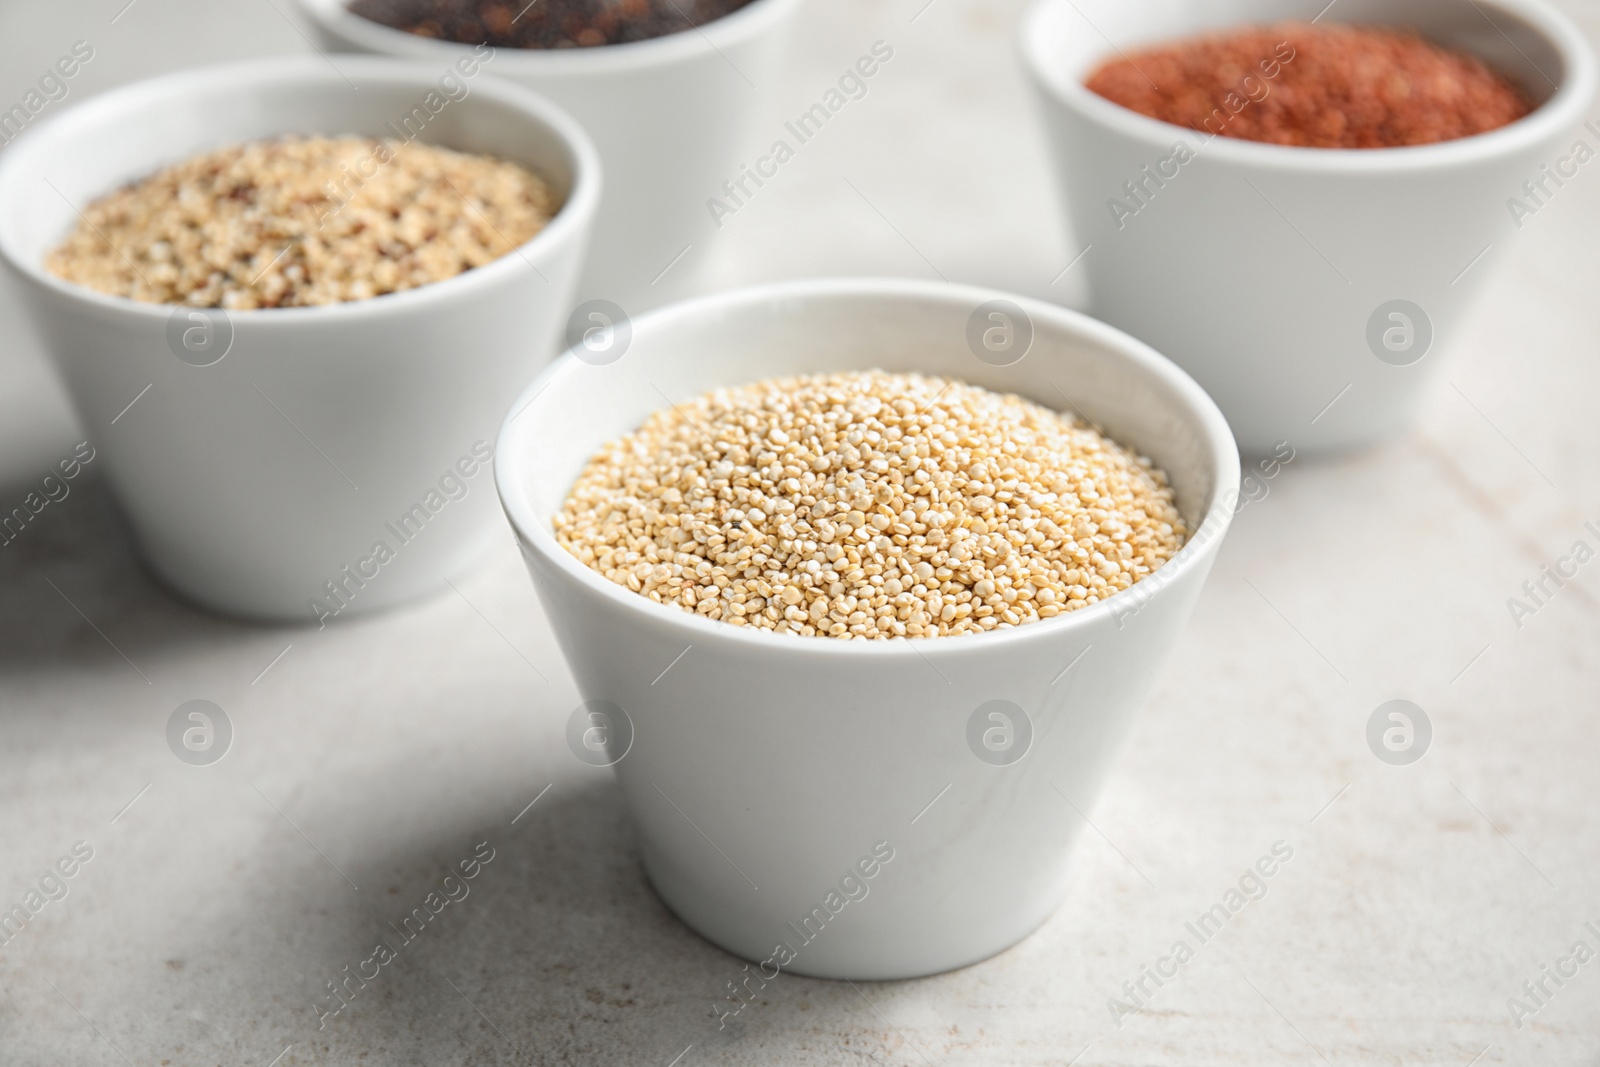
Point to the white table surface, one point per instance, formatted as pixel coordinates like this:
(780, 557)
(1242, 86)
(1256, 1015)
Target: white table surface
(377, 753)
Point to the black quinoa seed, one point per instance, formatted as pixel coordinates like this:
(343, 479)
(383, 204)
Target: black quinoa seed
(544, 23)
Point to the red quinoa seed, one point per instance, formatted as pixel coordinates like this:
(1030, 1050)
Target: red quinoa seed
(1341, 87)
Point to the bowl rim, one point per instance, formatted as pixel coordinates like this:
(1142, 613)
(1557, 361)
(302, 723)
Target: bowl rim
(1561, 112)
(1202, 544)
(334, 18)
(18, 164)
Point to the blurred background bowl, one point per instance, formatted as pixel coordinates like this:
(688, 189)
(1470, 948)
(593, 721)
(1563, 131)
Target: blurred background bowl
(257, 484)
(1266, 271)
(672, 116)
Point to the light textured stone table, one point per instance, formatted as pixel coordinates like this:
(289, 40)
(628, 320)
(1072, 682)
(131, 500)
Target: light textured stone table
(371, 757)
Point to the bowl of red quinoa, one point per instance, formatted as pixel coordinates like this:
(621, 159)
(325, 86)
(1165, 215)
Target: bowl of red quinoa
(291, 330)
(711, 523)
(671, 91)
(1301, 214)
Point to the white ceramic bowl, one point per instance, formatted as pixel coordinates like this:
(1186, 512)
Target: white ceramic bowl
(762, 767)
(673, 118)
(1262, 269)
(253, 481)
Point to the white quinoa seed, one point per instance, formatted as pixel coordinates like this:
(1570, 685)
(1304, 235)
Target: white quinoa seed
(301, 221)
(869, 505)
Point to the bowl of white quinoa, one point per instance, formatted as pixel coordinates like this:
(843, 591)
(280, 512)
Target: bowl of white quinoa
(836, 579)
(289, 302)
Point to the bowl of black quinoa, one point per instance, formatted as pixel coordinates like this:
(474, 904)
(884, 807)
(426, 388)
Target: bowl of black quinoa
(668, 89)
(545, 23)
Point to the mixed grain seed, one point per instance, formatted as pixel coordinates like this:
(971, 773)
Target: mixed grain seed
(869, 505)
(302, 221)
(1326, 86)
